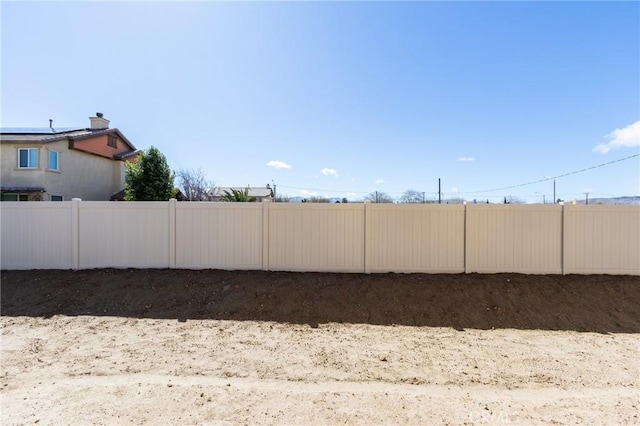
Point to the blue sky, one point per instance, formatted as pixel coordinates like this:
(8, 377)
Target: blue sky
(346, 98)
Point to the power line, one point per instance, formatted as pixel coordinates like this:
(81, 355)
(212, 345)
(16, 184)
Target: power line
(472, 192)
(345, 192)
(552, 177)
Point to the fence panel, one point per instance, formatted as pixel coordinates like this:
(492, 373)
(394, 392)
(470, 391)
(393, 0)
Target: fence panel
(124, 235)
(36, 235)
(219, 235)
(602, 240)
(322, 237)
(514, 238)
(316, 237)
(415, 238)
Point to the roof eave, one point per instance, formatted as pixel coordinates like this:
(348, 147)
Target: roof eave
(101, 132)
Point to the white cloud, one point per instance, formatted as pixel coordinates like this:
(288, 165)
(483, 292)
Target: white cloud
(454, 190)
(627, 137)
(308, 193)
(278, 164)
(379, 181)
(466, 159)
(329, 172)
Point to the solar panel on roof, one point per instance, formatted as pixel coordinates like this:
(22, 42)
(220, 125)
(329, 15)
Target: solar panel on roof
(36, 130)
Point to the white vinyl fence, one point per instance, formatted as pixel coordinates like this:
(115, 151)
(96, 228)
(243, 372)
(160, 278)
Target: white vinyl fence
(219, 235)
(537, 239)
(514, 238)
(415, 238)
(316, 237)
(601, 240)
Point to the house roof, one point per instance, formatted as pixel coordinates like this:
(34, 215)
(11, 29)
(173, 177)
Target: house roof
(37, 130)
(22, 189)
(47, 135)
(253, 192)
(125, 155)
(37, 134)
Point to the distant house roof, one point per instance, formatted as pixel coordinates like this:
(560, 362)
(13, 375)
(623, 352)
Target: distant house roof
(119, 196)
(253, 192)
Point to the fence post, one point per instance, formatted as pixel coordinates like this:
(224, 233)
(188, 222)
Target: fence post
(465, 234)
(265, 235)
(172, 233)
(563, 237)
(75, 233)
(367, 237)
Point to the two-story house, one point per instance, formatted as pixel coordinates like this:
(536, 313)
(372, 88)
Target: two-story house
(58, 164)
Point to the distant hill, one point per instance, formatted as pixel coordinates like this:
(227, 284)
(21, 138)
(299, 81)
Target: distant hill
(299, 199)
(631, 200)
(612, 201)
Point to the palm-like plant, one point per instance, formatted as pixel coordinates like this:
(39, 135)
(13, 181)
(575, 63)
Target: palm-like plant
(238, 196)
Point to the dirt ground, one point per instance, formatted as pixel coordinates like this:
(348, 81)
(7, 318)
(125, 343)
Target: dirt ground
(236, 347)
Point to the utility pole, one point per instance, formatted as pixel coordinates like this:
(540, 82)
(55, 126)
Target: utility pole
(587, 198)
(274, 190)
(554, 192)
(423, 198)
(439, 193)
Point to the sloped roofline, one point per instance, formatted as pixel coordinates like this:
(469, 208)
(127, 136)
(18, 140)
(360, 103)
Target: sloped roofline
(71, 135)
(92, 134)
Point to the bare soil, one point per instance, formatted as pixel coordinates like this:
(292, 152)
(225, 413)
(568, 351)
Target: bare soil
(598, 303)
(238, 347)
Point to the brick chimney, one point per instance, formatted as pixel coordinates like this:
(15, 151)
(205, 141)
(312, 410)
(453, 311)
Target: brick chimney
(99, 122)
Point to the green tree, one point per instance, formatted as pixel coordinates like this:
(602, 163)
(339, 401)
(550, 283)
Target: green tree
(149, 178)
(238, 196)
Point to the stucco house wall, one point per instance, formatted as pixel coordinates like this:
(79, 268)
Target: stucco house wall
(80, 175)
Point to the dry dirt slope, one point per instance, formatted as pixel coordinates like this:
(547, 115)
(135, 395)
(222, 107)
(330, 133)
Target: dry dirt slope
(600, 303)
(216, 347)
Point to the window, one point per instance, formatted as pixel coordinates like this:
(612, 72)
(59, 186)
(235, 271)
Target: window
(112, 141)
(57, 198)
(14, 197)
(53, 160)
(28, 158)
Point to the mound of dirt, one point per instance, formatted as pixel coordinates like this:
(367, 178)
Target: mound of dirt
(598, 303)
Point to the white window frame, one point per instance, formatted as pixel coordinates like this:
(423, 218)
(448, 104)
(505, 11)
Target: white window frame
(56, 195)
(50, 151)
(29, 167)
